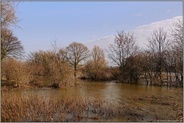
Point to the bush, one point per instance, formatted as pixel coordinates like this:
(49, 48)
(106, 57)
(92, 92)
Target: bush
(95, 69)
(47, 66)
(15, 71)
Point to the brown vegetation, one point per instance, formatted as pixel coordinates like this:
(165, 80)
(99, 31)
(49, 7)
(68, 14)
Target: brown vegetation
(50, 69)
(164, 55)
(161, 63)
(14, 72)
(10, 45)
(40, 108)
(54, 68)
(121, 52)
(96, 67)
(75, 54)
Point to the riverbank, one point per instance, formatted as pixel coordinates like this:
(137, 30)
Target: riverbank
(42, 82)
(70, 109)
(9, 85)
(93, 101)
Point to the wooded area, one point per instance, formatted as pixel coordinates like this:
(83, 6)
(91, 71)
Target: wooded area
(161, 63)
(73, 83)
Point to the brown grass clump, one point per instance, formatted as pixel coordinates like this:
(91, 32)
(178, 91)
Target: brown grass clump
(41, 108)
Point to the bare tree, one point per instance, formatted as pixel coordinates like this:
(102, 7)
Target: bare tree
(148, 66)
(10, 45)
(95, 68)
(75, 54)
(177, 34)
(98, 54)
(124, 46)
(121, 52)
(158, 46)
(62, 54)
(8, 17)
(178, 39)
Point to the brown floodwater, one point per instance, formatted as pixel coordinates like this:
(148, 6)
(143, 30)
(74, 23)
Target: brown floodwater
(118, 94)
(110, 91)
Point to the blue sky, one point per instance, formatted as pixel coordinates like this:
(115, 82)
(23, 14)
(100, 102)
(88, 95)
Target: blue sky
(65, 22)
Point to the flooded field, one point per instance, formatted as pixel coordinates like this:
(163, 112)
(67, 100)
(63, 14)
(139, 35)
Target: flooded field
(101, 101)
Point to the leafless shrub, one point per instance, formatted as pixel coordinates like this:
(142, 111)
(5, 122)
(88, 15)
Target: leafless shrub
(96, 67)
(15, 71)
(47, 66)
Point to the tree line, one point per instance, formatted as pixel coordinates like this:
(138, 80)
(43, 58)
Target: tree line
(161, 63)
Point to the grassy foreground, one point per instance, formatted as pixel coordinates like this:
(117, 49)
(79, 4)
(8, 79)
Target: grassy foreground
(39, 108)
(69, 109)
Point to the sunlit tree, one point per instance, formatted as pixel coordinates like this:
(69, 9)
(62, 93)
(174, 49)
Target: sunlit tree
(10, 44)
(96, 66)
(75, 54)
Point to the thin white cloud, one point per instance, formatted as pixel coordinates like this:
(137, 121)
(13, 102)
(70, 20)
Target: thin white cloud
(141, 33)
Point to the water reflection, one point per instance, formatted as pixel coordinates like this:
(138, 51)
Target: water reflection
(147, 101)
(99, 90)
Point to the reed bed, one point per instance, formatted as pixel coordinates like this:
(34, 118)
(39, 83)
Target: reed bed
(41, 108)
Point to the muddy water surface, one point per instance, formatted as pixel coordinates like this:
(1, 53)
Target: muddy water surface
(151, 103)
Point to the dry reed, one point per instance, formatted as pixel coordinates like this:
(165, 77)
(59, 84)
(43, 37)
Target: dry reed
(39, 108)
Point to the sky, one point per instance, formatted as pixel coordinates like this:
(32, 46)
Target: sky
(41, 23)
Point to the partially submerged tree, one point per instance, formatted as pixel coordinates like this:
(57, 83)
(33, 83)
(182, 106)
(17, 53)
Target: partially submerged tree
(75, 54)
(124, 46)
(133, 68)
(158, 46)
(178, 39)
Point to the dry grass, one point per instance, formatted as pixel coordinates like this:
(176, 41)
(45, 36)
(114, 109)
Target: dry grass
(39, 108)
(44, 109)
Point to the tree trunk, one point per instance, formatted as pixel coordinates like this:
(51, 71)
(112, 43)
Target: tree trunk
(146, 78)
(167, 78)
(75, 73)
(170, 74)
